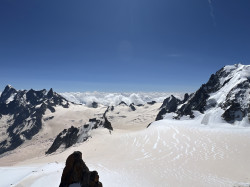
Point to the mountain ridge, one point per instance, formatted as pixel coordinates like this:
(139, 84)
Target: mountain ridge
(228, 89)
(23, 111)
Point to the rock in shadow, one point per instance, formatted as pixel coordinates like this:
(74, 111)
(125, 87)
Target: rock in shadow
(76, 173)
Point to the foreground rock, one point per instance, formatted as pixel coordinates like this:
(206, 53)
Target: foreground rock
(76, 172)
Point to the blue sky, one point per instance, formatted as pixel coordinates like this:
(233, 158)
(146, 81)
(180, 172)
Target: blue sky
(120, 45)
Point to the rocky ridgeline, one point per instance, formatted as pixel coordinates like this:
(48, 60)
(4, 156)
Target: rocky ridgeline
(73, 135)
(169, 105)
(76, 172)
(24, 110)
(228, 89)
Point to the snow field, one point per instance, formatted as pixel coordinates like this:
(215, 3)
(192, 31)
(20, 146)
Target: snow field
(163, 155)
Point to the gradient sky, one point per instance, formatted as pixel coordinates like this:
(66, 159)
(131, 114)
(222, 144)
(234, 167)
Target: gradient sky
(120, 45)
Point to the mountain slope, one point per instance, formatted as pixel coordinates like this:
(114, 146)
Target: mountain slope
(225, 96)
(21, 114)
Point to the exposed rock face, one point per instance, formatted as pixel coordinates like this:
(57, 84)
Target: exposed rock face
(76, 171)
(94, 104)
(132, 107)
(151, 102)
(106, 123)
(169, 105)
(67, 137)
(140, 105)
(71, 136)
(186, 96)
(123, 103)
(25, 110)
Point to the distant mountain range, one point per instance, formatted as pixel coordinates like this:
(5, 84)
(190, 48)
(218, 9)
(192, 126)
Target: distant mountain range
(24, 113)
(21, 114)
(114, 99)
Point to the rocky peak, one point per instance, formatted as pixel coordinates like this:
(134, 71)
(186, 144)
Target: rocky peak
(50, 93)
(186, 96)
(35, 97)
(27, 109)
(132, 107)
(94, 104)
(123, 103)
(8, 91)
(169, 105)
(227, 89)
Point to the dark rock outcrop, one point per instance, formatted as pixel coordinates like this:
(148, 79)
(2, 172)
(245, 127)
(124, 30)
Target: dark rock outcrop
(233, 113)
(140, 105)
(8, 91)
(234, 101)
(71, 136)
(94, 104)
(151, 102)
(67, 137)
(123, 103)
(77, 172)
(169, 105)
(107, 124)
(25, 109)
(159, 116)
(132, 107)
(186, 96)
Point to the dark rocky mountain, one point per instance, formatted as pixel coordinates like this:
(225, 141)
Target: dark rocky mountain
(94, 104)
(169, 105)
(22, 111)
(123, 103)
(67, 137)
(227, 89)
(77, 172)
(151, 102)
(72, 135)
(132, 107)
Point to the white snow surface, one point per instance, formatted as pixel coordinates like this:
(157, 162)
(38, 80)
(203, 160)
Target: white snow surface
(168, 153)
(109, 99)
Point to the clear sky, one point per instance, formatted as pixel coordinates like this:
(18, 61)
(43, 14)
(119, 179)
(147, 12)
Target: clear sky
(120, 45)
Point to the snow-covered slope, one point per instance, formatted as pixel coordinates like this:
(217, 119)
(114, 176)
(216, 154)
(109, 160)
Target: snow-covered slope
(223, 99)
(122, 117)
(60, 124)
(168, 153)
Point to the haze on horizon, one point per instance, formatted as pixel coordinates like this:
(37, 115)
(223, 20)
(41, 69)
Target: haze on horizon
(120, 46)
